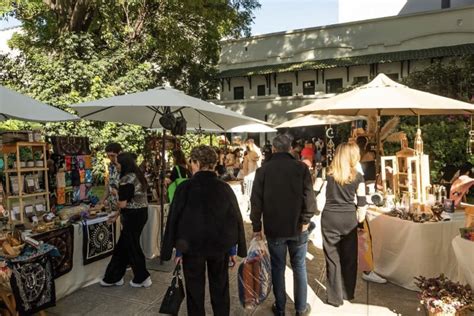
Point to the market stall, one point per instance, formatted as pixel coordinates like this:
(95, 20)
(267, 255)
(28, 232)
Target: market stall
(464, 252)
(404, 249)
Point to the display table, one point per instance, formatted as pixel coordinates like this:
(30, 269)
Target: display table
(464, 251)
(403, 249)
(150, 238)
(81, 275)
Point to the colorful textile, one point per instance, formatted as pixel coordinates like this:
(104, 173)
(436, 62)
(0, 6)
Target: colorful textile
(87, 162)
(61, 180)
(99, 239)
(82, 176)
(89, 177)
(82, 192)
(32, 284)
(80, 162)
(68, 163)
(60, 196)
(68, 179)
(76, 194)
(63, 240)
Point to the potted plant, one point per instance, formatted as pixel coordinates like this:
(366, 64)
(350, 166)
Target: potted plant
(38, 160)
(26, 155)
(443, 297)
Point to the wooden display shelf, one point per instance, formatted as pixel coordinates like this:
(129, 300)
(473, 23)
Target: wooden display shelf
(28, 195)
(21, 170)
(14, 148)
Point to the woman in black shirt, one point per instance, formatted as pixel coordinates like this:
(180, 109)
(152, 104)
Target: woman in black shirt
(133, 206)
(339, 223)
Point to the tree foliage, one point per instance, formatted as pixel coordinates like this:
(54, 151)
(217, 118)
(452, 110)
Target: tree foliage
(73, 51)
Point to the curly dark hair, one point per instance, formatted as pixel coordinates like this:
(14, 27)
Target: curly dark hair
(205, 155)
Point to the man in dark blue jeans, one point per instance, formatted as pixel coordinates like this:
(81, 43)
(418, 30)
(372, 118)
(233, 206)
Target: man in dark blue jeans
(282, 195)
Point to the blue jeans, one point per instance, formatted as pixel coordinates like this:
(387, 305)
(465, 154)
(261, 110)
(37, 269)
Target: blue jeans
(297, 247)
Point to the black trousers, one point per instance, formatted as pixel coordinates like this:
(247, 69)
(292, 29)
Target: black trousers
(194, 268)
(128, 250)
(339, 230)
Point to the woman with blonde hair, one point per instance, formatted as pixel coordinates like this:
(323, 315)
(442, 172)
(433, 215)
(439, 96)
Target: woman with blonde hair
(345, 185)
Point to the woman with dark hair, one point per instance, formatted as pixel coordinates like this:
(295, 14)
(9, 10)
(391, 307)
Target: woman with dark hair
(204, 223)
(133, 207)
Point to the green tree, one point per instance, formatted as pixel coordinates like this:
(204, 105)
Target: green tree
(73, 51)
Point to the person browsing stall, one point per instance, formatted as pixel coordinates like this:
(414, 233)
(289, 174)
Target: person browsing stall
(133, 210)
(339, 223)
(204, 222)
(282, 195)
(110, 197)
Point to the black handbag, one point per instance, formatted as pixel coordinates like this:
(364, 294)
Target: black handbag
(174, 295)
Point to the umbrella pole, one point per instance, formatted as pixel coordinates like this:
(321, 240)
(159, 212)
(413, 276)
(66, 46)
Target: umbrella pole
(379, 146)
(152, 264)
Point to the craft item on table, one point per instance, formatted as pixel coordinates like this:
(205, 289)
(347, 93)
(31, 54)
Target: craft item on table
(254, 275)
(32, 284)
(61, 196)
(80, 164)
(75, 178)
(82, 192)
(68, 179)
(87, 162)
(76, 194)
(29, 184)
(15, 214)
(61, 179)
(99, 239)
(82, 176)
(68, 163)
(89, 177)
(63, 240)
(15, 184)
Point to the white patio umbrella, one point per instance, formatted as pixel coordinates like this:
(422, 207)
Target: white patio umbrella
(383, 96)
(145, 108)
(14, 105)
(319, 119)
(252, 128)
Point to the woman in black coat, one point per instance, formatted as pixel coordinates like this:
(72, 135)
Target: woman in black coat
(205, 226)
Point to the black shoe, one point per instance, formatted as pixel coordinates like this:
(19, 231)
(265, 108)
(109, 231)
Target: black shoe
(306, 312)
(276, 312)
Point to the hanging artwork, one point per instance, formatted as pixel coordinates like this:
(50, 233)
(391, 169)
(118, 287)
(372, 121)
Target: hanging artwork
(32, 284)
(63, 240)
(99, 239)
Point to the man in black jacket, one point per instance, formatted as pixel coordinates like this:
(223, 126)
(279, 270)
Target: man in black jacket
(283, 195)
(205, 226)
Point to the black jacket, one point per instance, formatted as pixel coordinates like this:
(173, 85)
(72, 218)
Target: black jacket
(204, 219)
(283, 193)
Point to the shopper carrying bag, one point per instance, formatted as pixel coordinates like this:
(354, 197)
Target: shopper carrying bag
(174, 295)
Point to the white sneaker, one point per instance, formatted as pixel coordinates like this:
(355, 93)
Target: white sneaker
(373, 277)
(145, 284)
(105, 284)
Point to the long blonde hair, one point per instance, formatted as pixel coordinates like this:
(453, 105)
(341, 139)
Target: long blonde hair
(344, 165)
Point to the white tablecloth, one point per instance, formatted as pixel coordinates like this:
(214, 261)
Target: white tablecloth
(80, 275)
(403, 249)
(150, 238)
(464, 251)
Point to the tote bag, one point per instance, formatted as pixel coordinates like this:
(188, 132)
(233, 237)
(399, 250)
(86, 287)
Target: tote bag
(174, 295)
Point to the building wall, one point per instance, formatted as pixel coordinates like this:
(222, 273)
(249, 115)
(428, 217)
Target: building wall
(446, 28)
(350, 10)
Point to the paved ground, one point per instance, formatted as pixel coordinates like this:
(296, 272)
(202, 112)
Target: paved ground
(371, 299)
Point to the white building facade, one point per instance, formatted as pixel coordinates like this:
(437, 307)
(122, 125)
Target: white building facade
(264, 76)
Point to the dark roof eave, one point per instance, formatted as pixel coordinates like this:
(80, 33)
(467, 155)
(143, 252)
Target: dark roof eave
(446, 51)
